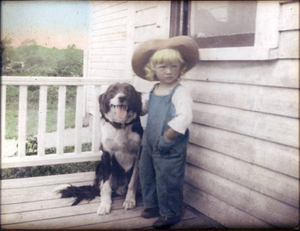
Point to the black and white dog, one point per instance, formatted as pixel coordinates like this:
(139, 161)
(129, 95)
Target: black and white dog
(121, 134)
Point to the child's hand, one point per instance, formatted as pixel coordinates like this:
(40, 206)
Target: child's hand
(170, 134)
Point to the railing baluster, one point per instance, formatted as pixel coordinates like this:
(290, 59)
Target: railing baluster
(3, 113)
(79, 118)
(61, 119)
(22, 121)
(42, 120)
(96, 121)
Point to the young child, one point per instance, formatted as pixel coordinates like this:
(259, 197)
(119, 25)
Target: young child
(169, 108)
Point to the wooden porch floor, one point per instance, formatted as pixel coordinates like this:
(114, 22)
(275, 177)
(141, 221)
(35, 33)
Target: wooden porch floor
(32, 203)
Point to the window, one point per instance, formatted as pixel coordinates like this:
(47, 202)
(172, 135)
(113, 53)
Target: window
(229, 30)
(223, 24)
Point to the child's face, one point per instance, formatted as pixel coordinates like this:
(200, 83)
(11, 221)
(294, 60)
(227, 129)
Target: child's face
(168, 73)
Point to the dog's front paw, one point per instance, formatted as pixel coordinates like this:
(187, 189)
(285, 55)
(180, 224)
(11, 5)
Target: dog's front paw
(129, 203)
(104, 208)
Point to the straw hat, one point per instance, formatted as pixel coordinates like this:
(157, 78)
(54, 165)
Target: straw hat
(187, 47)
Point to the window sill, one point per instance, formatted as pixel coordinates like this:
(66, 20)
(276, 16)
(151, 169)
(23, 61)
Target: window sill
(237, 53)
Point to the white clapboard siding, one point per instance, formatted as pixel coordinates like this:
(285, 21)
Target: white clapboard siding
(270, 155)
(114, 6)
(268, 127)
(289, 44)
(147, 32)
(106, 8)
(289, 19)
(262, 180)
(107, 4)
(109, 30)
(277, 101)
(142, 17)
(108, 51)
(108, 66)
(42, 120)
(226, 214)
(144, 5)
(109, 44)
(107, 73)
(152, 20)
(278, 73)
(109, 37)
(256, 204)
(107, 59)
(22, 119)
(109, 24)
(112, 16)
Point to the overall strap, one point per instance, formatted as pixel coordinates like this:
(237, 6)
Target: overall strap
(174, 89)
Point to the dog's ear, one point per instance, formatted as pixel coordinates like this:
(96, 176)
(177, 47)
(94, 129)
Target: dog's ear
(103, 104)
(136, 101)
(139, 102)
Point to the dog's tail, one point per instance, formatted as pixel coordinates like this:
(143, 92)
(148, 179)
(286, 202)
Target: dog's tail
(87, 192)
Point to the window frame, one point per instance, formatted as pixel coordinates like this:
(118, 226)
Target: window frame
(265, 42)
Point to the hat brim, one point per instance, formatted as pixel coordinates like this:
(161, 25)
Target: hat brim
(187, 47)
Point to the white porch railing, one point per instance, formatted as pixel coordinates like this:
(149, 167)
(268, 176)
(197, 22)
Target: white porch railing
(21, 160)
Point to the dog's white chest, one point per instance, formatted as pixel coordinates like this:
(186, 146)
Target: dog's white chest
(122, 143)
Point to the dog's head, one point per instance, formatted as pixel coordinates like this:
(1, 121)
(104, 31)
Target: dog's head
(121, 103)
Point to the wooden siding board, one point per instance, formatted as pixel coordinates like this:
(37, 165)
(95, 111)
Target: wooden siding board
(107, 59)
(110, 8)
(277, 101)
(107, 73)
(289, 17)
(144, 5)
(145, 17)
(289, 45)
(109, 30)
(108, 51)
(279, 158)
(145, 33)
(109, 44)
(262, 180)
(113, 16)
(108, 65)
(264, 126)
(279, 73)
(109, 37)
(232, 218)
(108, 24)
(270, 210)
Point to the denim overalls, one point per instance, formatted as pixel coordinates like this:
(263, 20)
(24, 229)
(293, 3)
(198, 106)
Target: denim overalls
(162, 163)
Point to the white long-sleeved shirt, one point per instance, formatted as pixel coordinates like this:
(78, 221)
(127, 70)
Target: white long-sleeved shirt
(183, 105)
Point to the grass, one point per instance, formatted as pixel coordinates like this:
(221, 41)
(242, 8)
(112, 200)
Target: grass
(12, 109)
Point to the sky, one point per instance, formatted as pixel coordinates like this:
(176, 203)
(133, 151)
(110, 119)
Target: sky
(51, 23)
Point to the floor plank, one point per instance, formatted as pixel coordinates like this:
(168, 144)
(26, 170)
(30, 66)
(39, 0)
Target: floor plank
(40, 181)
(33, 194)
(132, 223)
(34, 204)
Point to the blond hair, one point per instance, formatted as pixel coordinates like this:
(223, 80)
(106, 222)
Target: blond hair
(165, 56)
